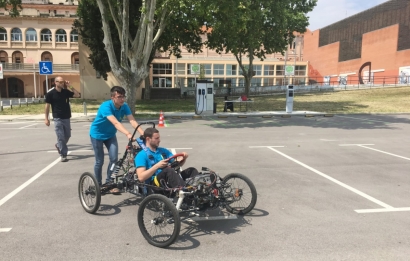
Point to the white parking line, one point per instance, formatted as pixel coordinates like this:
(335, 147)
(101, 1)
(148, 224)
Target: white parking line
(28, 182)
(55, 151)
(5, 229)
(28, 126)
(388, 153)
(376, 201)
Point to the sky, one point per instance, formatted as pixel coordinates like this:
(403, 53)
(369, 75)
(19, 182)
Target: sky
(328, 12)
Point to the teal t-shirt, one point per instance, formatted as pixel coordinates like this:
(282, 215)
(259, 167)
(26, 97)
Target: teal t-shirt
(101, 128)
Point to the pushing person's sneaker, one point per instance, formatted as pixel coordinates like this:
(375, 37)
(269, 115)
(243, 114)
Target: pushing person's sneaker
(64, 159)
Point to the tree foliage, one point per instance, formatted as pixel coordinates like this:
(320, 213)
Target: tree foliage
(124, 35)
(13, 6)
(250, 29)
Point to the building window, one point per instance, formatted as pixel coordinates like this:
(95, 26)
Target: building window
(4, 57)
(162, 82)
(268, 81)
(231, 69)
(46, 35)
(16, 35)
(47, 56)
(17, 57)
(219, 69)
(269, 70)
(3, 34)
(31, 35)
(256, 81)
(162, 68)
(207, 69)
(191, 82)
(61, 36)
(75, 59)
(217, 82)
(233, 81)
(280, 70)
(257, 70)
(300, 70)
(74, 36)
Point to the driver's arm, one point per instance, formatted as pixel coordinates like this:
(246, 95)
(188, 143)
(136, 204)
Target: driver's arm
(144, 174)
(181, 163)
(119, 126)
(134, 124)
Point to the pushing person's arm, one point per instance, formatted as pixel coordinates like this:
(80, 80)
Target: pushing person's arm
(119, 126)
(134, 124)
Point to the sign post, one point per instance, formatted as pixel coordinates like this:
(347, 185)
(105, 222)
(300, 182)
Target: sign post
(45, 68)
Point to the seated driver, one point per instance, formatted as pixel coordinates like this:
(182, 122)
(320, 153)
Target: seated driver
(152, 165)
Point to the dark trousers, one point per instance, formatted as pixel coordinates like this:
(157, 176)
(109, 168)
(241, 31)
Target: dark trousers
(170, 178)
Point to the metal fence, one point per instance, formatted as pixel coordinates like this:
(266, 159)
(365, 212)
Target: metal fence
(34, 67)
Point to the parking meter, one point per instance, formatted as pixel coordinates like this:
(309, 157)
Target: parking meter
(289, 98)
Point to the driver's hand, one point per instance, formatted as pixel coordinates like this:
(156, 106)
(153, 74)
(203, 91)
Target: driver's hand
(162, 164)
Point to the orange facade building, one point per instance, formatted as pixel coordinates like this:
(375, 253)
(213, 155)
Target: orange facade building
(370, 47)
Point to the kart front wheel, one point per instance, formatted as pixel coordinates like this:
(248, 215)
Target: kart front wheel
(239, 192)
(158, 220)
(89, 192)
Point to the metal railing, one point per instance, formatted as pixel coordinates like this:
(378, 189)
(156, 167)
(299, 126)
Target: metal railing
(16, 67)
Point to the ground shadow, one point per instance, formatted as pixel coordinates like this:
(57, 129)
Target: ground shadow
(191, 231)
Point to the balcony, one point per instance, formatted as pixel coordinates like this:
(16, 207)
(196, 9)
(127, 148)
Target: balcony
(30, 67)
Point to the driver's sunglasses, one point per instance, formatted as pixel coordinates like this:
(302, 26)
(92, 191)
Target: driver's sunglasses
(59, 81)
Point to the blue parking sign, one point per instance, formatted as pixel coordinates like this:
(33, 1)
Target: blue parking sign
(45, 68)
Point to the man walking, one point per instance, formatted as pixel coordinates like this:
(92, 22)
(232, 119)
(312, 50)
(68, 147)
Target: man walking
(59, 98)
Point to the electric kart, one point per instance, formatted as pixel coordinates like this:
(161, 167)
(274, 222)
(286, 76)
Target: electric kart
(162, 208)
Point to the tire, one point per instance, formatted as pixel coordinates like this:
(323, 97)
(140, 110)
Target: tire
(245, 201)
(158, 220)
(89, 192)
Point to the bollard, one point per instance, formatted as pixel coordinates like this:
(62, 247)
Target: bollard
(19, 103)
(26, 102)
(11, 105)
(85, 108)
(32, 99)
(1, 105)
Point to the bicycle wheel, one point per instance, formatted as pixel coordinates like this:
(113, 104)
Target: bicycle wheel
(158, 220)
(240, 192)
(89, 192)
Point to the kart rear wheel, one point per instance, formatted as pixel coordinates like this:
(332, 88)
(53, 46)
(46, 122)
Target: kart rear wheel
(240, 191)
(158, 220)
(89, 192)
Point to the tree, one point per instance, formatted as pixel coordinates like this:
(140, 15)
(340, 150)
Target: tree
(14, 5)
(259, 27)
(132, 31)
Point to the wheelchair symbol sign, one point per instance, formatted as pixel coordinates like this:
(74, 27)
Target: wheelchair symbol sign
(45, 68)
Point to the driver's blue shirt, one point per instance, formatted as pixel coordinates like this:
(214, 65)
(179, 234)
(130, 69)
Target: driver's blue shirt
(142, 160)
(101, 128)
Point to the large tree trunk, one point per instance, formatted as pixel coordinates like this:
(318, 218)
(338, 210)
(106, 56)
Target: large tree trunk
(147, 94)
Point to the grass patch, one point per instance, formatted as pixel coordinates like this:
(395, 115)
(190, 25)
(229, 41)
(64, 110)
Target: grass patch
(386, 100)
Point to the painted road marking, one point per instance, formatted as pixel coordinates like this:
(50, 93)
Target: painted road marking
(253, 147)
(28, 126)
(382, 210)
(28, 182)
(327, 140)
(370, 198)
(356, 144)
(55, 151)
(5, 229)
